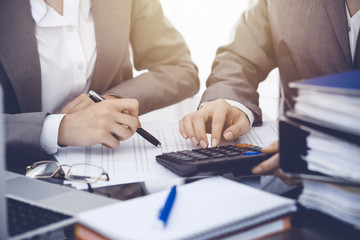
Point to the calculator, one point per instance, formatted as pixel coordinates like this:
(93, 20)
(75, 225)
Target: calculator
(238, 158)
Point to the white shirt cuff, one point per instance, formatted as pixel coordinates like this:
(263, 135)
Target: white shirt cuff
(50, 132)
(248, 112)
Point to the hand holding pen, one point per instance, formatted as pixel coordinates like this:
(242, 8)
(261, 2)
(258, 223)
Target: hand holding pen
(106, 123)
(142, 132)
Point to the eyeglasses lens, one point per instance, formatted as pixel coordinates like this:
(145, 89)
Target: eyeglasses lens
(84, 173)
(43, 170)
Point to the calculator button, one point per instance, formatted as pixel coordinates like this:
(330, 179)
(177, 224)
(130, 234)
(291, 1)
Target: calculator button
(169, 155)
(233, 154)
(187, 159)
(186, 152)
(244, 145)
(251, 153)
(197, 150)
(202, 157)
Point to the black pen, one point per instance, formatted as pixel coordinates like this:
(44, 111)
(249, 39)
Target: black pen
(142, 132)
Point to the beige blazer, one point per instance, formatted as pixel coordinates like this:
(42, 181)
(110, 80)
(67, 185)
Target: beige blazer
(303, 38)
(119, 24)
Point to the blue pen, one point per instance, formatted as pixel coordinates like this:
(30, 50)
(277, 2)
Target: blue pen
(165, 211)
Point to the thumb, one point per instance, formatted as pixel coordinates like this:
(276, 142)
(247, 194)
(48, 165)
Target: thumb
(234, 131)
(239, 127)
(272, 148)
(268, 166)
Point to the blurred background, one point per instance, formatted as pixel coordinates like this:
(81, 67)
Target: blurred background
(206, 25)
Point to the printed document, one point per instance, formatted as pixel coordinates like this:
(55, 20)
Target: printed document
(134, 160)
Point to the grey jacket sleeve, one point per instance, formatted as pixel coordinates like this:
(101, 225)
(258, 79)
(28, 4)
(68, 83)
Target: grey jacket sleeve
(23, 135)
(240, 66)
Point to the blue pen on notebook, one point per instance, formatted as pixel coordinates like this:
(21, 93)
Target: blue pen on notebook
(165, 211)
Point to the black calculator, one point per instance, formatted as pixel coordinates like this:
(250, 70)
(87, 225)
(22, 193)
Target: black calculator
(238, 158)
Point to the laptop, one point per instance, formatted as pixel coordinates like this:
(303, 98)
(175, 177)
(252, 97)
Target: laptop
(33, 208)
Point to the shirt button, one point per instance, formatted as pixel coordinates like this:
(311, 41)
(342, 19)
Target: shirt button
(80, 66)
(349, 29)
(70, 28)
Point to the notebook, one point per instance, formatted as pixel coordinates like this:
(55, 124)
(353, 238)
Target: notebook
(207, 208)
(31, 207)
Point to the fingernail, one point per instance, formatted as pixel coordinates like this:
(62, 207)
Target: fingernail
(228, 136)
(257, 170)
(194, 141)
(213, 142)
(184, 135)
(203, 144)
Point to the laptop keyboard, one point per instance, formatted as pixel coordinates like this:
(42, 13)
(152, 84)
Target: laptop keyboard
(24, 217)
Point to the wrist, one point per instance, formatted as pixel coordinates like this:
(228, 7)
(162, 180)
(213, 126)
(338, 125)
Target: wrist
(49, 133)
(109, 96)
(62, 139)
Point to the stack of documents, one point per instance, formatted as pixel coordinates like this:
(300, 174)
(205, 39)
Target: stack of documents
(334, 110)
(333, 156)
(208, 208)
(327, 110)
(332, 101)
(339, 201)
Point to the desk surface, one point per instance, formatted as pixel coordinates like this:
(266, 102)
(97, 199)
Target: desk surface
(306, 224)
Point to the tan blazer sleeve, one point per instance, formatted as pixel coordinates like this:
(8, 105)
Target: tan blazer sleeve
(160, 49)
(240, 66)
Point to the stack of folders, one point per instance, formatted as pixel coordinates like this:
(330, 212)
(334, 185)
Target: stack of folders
(320, 141)
(205, 209)
(331, 101)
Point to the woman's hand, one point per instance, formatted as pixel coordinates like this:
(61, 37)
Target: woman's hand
(271, 166)
(106, 123)
(216, 117)
(81, 102)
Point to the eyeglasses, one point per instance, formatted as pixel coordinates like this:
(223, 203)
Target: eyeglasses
(80, 172)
